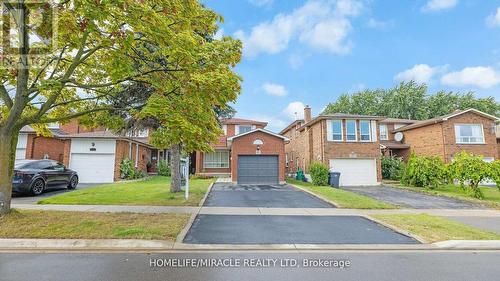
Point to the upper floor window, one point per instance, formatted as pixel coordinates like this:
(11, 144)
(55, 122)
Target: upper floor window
(224, 128)
(138, 133)
(244, 128)
(337, 130)
(384, 135)
(53, 125)
(469, 133)
(365, 130)
(350, 126)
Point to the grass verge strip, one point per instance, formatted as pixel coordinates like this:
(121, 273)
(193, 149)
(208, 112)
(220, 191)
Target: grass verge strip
(154, 191)
(343, 198)
(83, 225)
(434, 229)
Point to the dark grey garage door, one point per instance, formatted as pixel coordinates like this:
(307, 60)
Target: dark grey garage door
(258, 169)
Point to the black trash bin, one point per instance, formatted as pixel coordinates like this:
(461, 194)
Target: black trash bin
(335, 179)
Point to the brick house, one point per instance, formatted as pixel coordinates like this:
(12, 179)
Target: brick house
(96, 154)
(347, 143)
(246, 152)
(470, 130)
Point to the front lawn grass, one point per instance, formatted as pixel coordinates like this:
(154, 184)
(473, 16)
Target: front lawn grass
(434, 229)
(491, 194)
(87, 225)
(154, 191)
(343, 198)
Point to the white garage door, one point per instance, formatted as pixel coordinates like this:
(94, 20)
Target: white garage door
(355, 171)
(93, 168)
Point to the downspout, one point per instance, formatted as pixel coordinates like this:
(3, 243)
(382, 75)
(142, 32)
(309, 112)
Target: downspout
(444, 142)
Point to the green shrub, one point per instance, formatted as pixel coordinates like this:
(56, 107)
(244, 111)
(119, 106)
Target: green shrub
(469, 169)
(392, 167)
(129, 172)
(163, 168)
(495, 172)
(127, 169)
(319, 174)
(424, 171)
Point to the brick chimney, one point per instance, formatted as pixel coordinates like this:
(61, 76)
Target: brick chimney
(307, 114)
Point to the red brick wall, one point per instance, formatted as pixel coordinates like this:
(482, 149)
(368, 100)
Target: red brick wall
(244, 146)
(439, 139)
(498, 148)
(488, 149)
(37, 147)
(73, 127)
(122, 152)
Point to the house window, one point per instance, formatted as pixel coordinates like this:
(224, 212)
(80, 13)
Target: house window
(397, 126)
(365, 130)
(469, 133)
(244, 128)
(383, 132)
(217, 159)
(350, 126)
(224, 128)
(337, 130)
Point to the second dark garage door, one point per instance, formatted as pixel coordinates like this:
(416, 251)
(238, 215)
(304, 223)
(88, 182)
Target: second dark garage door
(258, 169)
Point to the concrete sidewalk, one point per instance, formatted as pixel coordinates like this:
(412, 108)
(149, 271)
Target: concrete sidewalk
(258, 210)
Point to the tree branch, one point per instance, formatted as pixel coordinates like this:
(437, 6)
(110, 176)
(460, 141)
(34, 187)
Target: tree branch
(5, 96)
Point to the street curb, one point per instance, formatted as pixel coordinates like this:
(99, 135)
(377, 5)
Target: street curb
(127, 245)
(316, 195)
(396, 229)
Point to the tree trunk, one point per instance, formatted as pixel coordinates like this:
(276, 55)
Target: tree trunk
(175, 167)
(8, 145)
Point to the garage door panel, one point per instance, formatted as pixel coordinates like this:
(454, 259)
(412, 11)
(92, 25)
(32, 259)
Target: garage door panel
(355, 172)
(93, 168)
(258, 169)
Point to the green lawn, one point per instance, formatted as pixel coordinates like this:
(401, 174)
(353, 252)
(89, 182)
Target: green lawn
(83, 225)
(491, 195)
(152, 191)
(343, 198)
(434, 229)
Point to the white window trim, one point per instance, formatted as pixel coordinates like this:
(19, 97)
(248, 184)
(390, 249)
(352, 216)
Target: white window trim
(210, 167)
(238, 128)
(224, 128)
(136, 155)
(464, 124)
(341, 130)
(386, 137)
(369, 131)
(355, 130)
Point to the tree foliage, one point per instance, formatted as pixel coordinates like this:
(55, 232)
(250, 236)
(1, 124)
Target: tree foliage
(409, 100)
(424, 171)
(470, 170)
(392, 167)
(102, 47)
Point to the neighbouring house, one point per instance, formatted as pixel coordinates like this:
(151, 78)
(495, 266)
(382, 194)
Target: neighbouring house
(498, 138)
(388, 143)
(463, 130)
(347, 143)
(246, 152)
(96, 154)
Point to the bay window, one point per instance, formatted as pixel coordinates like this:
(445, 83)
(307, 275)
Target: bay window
(217, 159)
(469, 133)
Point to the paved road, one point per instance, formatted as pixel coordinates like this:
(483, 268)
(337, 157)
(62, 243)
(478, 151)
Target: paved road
(388, 266)
(236, 229)
(410, 199)
(29, 199)
(484, 223)
(269, 196)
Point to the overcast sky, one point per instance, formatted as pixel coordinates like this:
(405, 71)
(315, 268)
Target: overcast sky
(300, 52)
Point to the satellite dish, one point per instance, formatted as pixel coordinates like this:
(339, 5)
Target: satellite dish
(398, 136)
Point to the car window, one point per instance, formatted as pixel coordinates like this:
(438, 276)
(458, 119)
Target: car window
(58, 166)
(44, 165)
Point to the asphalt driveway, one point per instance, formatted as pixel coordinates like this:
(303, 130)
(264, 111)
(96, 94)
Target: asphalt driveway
(53, 191)
(410, 199)
(236, 229)
(265, 196)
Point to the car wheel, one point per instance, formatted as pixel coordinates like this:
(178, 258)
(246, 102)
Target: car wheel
(73, 182)
(37, 187)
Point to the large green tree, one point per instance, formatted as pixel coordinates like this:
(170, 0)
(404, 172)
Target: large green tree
(409, 100)
(97, 47)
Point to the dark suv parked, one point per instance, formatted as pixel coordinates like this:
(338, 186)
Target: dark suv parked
(35, 176)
